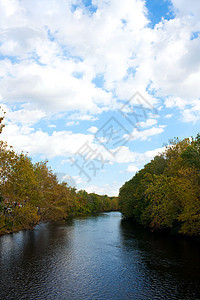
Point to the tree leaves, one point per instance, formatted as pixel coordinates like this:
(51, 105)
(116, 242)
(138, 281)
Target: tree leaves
(31, 192)
(165, 194)
(1, 119)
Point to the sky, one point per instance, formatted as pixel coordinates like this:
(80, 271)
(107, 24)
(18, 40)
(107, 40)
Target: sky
(98, 87)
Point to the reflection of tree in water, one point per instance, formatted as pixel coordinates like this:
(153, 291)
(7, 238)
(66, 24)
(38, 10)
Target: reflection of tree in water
(132, 263)
(171, 263)
(33, 255)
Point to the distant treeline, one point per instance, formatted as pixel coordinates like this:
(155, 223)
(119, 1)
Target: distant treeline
(31, 192)
(165, 194)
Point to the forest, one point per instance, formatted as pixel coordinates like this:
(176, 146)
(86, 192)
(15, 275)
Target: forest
(165, 194)
(30, 192)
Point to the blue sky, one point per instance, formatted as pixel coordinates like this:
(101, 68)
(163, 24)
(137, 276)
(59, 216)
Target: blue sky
(98, 87)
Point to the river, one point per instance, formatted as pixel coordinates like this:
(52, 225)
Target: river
(97, 257)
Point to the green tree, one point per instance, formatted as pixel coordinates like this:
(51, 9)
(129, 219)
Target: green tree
(165, 194)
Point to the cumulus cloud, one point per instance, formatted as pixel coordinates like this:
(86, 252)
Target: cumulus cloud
(168, 116)
(132, 169)
(61, 58)
(71, 123)
(147, 123)
(53, 42)
(192, 114)
(25, 117)
(145, 134)
(93, 129)
(67, 144)
(46, 44)
(103, 190)
(82, 117)
(59, 143)
(185, 8)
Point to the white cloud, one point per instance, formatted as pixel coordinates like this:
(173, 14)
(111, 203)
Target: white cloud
(77, 179)
(145, 134)
(148, 155)
(39, 35)
(82, 117)
(125, 155)
(51, 43)
(66, 143)
(71, 123)
(132, 169)
(59, 143)
(147, 123)
(103, 190)
(172, 102)
(93, 129)
(24, 116)
(185, 8)
(168, 116)
(55, 59)
(175, 64)
(192, 115)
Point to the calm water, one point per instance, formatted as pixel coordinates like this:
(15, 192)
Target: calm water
(97, 257)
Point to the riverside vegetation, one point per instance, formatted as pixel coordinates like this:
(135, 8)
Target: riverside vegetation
(31, 192)
(165, 194)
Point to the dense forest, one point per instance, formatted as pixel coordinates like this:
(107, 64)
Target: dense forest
(30, 192)
(165, 194)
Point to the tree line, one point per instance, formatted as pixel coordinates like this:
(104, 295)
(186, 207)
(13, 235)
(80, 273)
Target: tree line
(30, 192)
(165, 194)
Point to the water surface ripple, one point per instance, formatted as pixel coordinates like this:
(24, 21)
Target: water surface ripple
(98, 257)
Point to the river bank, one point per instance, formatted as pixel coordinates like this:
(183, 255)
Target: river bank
(31, 226)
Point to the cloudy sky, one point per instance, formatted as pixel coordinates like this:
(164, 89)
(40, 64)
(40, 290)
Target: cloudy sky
(97, 87)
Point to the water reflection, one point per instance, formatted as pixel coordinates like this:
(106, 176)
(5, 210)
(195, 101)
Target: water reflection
(170, 264)
(97, 257)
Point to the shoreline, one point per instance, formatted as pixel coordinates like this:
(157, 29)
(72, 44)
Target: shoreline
(31, 227)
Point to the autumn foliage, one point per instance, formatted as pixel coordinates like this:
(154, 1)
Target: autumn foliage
(165, 194)
(31, 192)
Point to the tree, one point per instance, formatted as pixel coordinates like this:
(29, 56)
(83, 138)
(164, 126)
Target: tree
(165, 194)
(20, 183)
(1, 119)
(30, 192)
